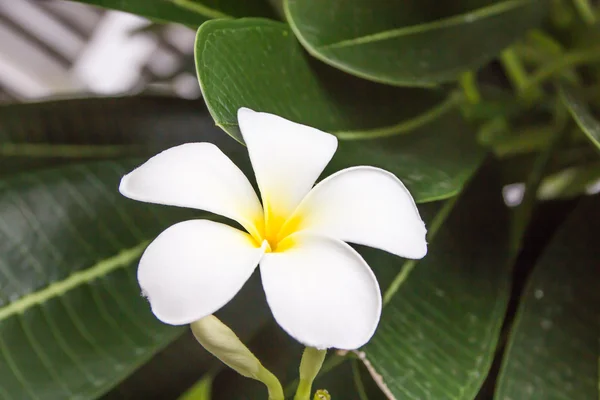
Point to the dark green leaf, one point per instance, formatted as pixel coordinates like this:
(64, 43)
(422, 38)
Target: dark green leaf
(37, 135)
(581, 113)
(553, 348)
(188, 12)
(410, 43)
(258, 64)
(72, 320)
(440, 325)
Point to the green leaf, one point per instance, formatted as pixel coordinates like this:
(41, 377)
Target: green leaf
(35, 135)
(443, 314)
(259, 64)
(580, 111)
(72, 320)
(410, 43)
(553, 348)
(188, 12)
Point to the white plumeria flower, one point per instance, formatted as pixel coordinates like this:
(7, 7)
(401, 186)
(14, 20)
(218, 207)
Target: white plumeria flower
(320, 290)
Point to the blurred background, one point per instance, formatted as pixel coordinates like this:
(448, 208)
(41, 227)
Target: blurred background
(62, 48)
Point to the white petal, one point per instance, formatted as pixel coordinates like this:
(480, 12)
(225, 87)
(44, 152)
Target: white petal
(196, 175)
(194, 268)
(364, 205)
(287, 158)
(322, 292)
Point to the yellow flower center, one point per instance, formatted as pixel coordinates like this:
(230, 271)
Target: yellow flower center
(276, 230)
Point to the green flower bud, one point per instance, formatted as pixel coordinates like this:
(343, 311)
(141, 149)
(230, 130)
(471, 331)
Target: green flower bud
(223, 343)
(220, 341)
(322, 394)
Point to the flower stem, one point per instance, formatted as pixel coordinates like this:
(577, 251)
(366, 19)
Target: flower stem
(312, 360)
(272, 383)
(331, 363)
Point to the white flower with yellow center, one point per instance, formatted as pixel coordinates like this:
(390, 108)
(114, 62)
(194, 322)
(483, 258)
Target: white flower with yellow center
(320, 290)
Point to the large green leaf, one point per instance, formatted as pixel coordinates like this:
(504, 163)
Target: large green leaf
(410, 43)
(72, 320)
(553, 348)
(259, 64)
(581, 113)
(442, 316)
(194, 14)
(35, 135)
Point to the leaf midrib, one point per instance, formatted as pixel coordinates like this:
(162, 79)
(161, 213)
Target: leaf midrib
(484, 12)
(403, 127)
(59, 288)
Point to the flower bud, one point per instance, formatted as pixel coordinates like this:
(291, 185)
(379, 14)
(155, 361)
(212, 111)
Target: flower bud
(322, 394)
(220, 341)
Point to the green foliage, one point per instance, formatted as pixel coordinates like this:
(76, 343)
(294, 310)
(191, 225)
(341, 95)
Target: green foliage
(410, 43)
(240, 77)
(232, 74)
(553, 347)
(423, 89)
(441, 324)
(70, 300)
(37, 135)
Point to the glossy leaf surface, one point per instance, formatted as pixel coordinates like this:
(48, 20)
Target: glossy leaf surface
(552, 351)
(440, 326)
(410, 43)
(258, 64)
